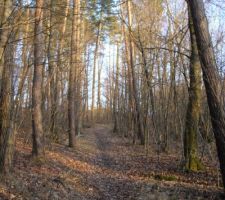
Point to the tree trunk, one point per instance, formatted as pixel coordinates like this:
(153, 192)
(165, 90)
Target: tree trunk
(37, 127)
(193, 110)
(116, 94)
(73, 107)
(6, 133)
(6, 130)
(52, 72)
(99, 104)
(129, 82)
(210, 77)
(134, 81)
(72, 75)
(79, 71)
(58, 71)
(5, 9)
(94, 69)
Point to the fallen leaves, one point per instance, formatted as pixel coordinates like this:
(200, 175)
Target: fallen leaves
(103, 166)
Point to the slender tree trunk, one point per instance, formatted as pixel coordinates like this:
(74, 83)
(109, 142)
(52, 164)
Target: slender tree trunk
(134, 81)
(18, 102)
(116, 94)
(99, 105)
(210, 77)
(37, 127)
(6, 133)
(74, 90)
(129, 81)
(86, 109)
(4, 33)
(79, 71)
(58, 72)
(72, 75)
(193, 111)
(94, 69)
(52, 72)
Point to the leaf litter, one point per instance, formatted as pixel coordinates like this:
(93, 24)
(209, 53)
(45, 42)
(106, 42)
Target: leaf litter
(104, 166)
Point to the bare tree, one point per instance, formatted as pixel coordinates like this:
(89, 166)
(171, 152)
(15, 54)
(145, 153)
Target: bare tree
(134, 81)
(6, 58)
(37, 127)
(193, 110)
(210, 77)
(74, 64)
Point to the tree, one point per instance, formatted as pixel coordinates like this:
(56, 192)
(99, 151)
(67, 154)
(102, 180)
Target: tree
(74, 64)
(37, 127)
(134, 81)
(116, 93)
(210, 77)
(193, 110)
(94, 67)
(6, 58)
(52, 72)
(59, 63)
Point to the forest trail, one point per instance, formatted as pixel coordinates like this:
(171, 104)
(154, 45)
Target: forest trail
(127, 173)
(71, 70)
(113, 181)
(104, 166)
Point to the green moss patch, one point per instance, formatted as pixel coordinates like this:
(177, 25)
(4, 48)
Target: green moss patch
(165, 177)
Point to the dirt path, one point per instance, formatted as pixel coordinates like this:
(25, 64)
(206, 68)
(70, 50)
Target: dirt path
(103, 166)
(113, 181)
(126, 173)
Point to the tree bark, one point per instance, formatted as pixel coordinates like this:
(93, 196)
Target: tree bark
(58, 72)
(6, 133)
(116, 94)
(79, 71)
(134, 81)
(37, 127)
(74, 62)
(52, 72)
(94, 69)
(193, 110)
(72, 75)
(99, 103)
(4, 33)
(210, 77)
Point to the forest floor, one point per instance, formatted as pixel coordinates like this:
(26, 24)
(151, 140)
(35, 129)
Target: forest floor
(104, 166)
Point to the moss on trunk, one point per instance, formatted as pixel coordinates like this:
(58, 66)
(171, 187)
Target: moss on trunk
(193, 111)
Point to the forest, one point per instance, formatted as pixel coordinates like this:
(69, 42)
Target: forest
(112, 99)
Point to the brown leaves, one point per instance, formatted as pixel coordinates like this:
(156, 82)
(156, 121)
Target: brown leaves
(103, 166)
